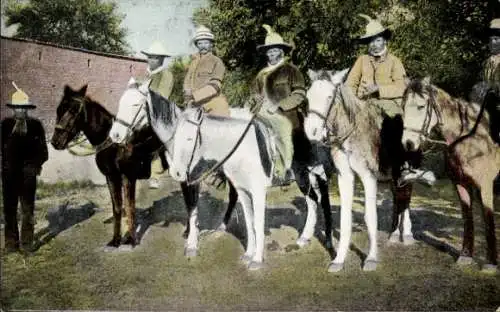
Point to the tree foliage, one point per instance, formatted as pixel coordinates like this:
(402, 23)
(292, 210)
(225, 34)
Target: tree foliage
(87, 24)
(441, 38)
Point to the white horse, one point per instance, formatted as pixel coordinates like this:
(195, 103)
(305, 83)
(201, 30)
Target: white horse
(336, 116)
(165, 118)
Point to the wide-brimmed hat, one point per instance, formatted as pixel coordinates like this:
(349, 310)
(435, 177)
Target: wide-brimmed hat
(203, 32)
(273, 40)
(20, 99)
(373, 29)
(495, 27)
(156, 49)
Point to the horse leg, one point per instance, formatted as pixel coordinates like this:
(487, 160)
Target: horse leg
(233, 199)
(129, 194)
(465, 257)
(487, 199)
(259, 208)
(246, 203)
(370, 186)
(346, 190)
(401, 223)
(191, 195)
(308, 184)
(115, 191)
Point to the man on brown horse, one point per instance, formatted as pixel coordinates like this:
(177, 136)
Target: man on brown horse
(379, 79)
(158, 79)
(203, 81)
(491, 76)
(279, 101)
(24, 151)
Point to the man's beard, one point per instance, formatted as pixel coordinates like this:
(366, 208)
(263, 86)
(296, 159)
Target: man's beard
(377, 52)
(495, 48)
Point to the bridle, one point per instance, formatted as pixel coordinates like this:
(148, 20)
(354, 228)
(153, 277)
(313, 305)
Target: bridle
(424, 131)
(132, 126)
(325, 117)
(219, 164)
(67, 122)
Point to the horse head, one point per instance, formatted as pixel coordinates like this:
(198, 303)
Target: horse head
(321, 96)
(71, 117)
(131, 115)
(186, 144)
(420, 112)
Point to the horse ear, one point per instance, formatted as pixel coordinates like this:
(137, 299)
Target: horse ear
(338, 76)
(83, 90)
(426, 81)
(68, 90)
(132, 83)
(312, 74)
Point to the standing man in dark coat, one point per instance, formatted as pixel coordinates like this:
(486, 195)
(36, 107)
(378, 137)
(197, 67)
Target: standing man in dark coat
(24, 150)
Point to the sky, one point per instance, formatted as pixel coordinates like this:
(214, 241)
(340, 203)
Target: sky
(147, 20)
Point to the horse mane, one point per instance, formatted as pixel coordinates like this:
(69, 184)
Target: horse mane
(162, 108)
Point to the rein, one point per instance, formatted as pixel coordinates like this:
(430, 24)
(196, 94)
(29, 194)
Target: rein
(221, 162)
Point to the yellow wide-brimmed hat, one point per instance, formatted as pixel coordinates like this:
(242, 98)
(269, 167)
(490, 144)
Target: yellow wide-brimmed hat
(202, 32)
(156, 49)
(495, 27)
(20, 99)
(373, 29)
(273, 40)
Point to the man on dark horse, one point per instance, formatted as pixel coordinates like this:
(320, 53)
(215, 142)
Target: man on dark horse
(280, 102)
(203, 81)
(158, 79)
(379, 78)
(491, 76)
(24, 151)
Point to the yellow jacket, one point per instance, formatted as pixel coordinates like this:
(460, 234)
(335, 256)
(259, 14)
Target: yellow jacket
(162, 82)
(204, 77)
(388, 73)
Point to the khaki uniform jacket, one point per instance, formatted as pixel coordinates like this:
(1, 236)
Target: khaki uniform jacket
(388, 73)
(204, 79)
(162, 83)
(285, 86)
(491, 72)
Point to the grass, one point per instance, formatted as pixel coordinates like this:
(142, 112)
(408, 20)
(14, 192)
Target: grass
(71, 271)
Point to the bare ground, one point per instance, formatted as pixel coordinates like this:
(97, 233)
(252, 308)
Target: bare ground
(71, 271)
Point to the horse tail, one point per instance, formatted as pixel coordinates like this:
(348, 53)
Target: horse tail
(264, 149)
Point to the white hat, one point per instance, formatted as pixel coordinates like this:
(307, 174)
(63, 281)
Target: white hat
(273, 40)
(156, 49)
(373, 29)
(203, 32)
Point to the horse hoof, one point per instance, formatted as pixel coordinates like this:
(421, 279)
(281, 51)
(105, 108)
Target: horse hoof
(329, 244)
(109, 248)
(489, 269)
(190, 252)
(246, 259)
(409, 240)
(221, 228)
(126, 248)
(335, 267)
(464, 260)
(302, 241)
(254, 265)
(393, 239)
(370, 265)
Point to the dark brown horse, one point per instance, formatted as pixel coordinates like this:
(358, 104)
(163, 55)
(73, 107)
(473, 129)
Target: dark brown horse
(121, 164)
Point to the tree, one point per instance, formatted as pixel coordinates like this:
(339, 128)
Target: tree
(441, 38)
(88, 24)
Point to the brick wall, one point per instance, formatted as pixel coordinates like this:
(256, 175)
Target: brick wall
(41, 70)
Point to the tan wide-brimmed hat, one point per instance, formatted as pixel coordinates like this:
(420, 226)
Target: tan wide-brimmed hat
(202, 32)
(156, 49)
(373, 29)
(20, 99)
(273, 40)
(495, 27)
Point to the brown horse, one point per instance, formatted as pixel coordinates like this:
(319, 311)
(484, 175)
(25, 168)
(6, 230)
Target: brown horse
(121, 164)
(474, 162)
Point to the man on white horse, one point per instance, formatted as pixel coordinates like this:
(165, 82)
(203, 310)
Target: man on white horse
(379, 79)
(280, 102)
(491, 76)
(160, 80)
(203, 81)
